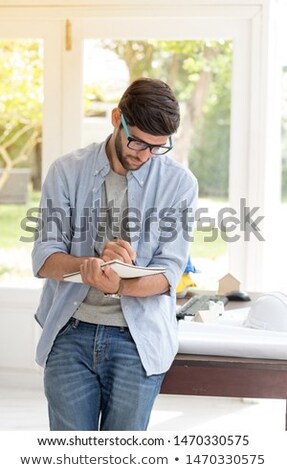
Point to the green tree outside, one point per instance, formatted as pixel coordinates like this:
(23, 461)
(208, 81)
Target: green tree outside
(21, 99)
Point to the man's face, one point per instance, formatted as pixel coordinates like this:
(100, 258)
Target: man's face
(134, 159)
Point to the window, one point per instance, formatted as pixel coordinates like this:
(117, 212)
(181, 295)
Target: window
(26, 53)
(66, 127)
(200, 73)
(21, 84)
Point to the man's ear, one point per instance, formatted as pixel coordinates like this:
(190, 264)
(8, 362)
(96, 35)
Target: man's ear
(116, 117)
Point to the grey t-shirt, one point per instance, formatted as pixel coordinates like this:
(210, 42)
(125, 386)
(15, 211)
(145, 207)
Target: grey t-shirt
(98, 308)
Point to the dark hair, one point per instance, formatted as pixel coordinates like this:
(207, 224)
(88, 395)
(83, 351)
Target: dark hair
(150, 105)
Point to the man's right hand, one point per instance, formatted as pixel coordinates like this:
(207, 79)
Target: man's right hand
(118, 249)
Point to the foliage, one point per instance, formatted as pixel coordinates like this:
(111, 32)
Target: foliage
(202, 247)
(200, 74)
(284, 181)
(20, 103)
(15, 256)
(21, 79)
(11, 216)
(209, 153)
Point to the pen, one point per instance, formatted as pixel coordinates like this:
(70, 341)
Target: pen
(133, 261)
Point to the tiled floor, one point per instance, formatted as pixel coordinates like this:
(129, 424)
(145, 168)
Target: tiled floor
(26, 410)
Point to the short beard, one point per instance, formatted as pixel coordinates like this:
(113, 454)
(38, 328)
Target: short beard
(119, 150)
(122, 159)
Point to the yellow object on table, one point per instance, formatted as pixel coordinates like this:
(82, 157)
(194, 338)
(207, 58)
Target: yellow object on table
(183, 285)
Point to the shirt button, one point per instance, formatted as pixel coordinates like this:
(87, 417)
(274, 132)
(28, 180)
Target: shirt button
(75, 303)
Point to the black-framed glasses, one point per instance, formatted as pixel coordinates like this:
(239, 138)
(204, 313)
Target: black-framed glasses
(140, 145)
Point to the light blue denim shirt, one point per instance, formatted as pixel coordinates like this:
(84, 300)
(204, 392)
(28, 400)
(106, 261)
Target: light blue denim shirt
(161, 197)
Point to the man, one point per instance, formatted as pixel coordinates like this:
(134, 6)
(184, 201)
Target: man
(107, 342)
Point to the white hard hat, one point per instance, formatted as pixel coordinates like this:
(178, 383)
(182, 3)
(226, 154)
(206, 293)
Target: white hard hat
(269, 312)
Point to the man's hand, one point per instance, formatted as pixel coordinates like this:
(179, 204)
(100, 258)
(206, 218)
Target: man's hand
(118, 249)
(106, 280)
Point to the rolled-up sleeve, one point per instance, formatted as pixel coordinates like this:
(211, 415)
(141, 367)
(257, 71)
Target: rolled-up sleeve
(176, 231)
(53, 232)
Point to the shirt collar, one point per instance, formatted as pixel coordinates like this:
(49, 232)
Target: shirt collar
(141, 174)
(102, 164)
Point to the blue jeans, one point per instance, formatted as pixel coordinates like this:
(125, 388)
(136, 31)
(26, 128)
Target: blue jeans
(94, 380)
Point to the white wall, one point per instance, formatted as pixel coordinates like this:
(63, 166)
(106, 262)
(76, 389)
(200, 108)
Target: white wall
(19, 334)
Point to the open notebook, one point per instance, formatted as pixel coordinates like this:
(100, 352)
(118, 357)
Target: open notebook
(125, 271)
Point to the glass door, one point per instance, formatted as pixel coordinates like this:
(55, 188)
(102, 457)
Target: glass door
(24, 53)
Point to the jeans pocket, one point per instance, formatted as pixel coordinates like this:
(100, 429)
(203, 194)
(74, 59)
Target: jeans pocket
(72, 323)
